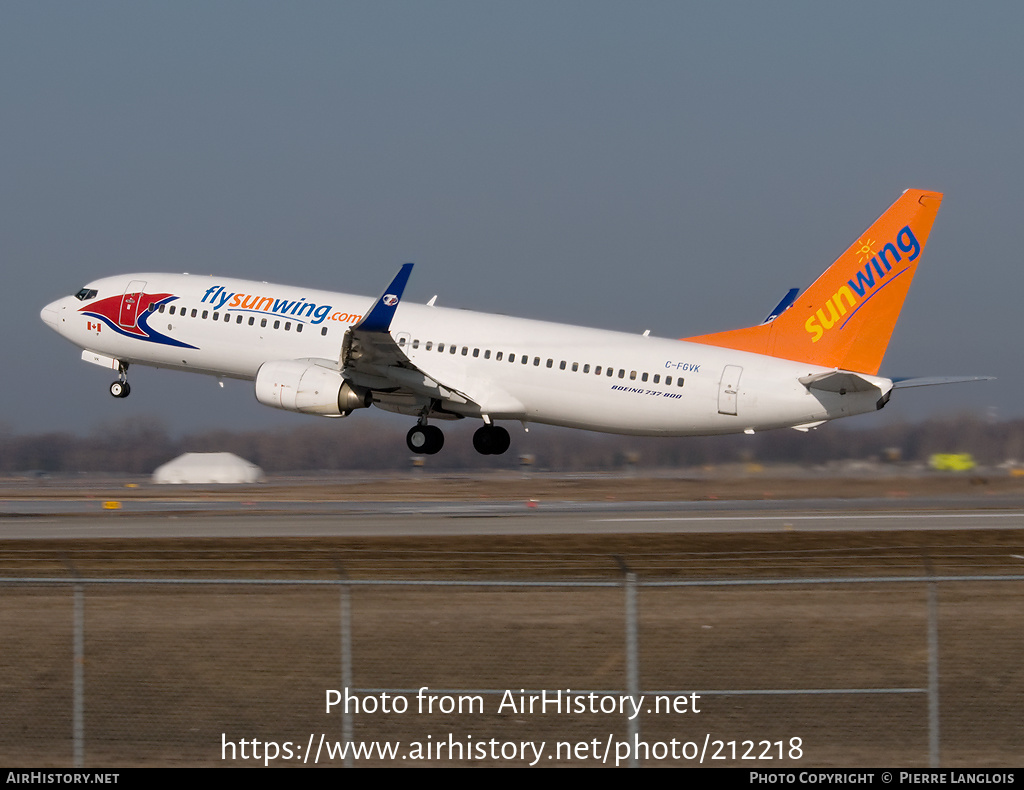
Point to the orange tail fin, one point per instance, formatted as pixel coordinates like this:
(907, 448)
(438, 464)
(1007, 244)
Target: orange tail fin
(846, 317)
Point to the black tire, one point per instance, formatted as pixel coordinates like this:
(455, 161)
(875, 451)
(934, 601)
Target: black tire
(120, 389)
(483, 440)
(424, 439)
(502, 441)
(435, 441)
(491, 440)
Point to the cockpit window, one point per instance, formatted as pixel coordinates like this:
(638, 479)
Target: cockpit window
(86, 294)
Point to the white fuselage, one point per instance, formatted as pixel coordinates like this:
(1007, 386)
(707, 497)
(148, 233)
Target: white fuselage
(498, 367)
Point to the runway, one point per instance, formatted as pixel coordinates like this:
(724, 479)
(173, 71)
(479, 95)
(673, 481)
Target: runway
(177, 519)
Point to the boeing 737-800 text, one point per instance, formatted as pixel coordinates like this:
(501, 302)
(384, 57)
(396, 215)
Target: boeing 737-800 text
(815, 358)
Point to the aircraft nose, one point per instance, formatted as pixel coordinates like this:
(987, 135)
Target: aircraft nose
(51, 314)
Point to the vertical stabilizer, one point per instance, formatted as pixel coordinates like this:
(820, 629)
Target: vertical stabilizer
(846, 317)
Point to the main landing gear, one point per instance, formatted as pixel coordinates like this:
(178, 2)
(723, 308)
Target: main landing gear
(428, 439)
(120, 388)
(425, 439)
(491, 440)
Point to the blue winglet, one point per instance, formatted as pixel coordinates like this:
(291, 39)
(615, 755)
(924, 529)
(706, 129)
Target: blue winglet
(783, 306)
(379, 317)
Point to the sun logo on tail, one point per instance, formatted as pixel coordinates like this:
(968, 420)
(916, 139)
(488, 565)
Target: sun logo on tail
(865, 251)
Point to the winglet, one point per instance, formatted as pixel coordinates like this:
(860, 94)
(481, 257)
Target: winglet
(383, 310)
(781, 307)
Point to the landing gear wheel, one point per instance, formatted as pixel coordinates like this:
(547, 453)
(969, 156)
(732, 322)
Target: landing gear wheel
(120, 389)
(425, 439)
(491, 440)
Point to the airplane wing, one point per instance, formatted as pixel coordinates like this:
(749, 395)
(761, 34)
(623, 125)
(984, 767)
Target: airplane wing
(370, 356)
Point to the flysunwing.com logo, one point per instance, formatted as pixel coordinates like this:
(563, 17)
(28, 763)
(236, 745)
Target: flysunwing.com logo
(220, 298)
(876, 274)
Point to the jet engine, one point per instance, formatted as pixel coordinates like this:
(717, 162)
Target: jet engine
(305, 386)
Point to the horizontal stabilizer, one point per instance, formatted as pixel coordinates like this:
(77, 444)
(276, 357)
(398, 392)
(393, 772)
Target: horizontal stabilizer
(839, 381)
(931, 381)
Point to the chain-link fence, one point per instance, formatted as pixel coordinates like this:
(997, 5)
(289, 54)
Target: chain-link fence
(908, 671)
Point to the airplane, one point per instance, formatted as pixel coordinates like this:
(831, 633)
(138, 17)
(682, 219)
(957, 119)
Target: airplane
(815, 358)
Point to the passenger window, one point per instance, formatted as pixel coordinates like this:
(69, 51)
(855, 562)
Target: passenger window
(205, 313)
(239, 320)
(440, 348)
(430, 345)
(487, 354)
(550, 362)
(668, 380)
(575, 367)
(287, 325)
(511, 357)
(643, 377)
(610, 372)
(323, 331)
(657, 378)
(416, 343)
(452, 348)
(216, 316)
(194, 311)
(597, 371)
(277, 324)
(172, 309)
(632, 375)
(476, 352)
(162, 308)
(622, 373)
(252, 320)
(679, 382)
(586, 368)
(263, 323)
(298, 327)
(536, 362)
(401, 342)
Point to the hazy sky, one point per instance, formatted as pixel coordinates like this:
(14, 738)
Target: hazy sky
(630, 165)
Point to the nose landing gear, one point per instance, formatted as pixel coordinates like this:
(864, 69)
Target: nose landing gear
(120, 388)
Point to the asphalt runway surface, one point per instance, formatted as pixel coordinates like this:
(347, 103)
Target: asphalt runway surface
(181, 519)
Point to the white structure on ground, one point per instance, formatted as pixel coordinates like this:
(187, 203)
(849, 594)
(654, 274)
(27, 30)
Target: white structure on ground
(208, 468)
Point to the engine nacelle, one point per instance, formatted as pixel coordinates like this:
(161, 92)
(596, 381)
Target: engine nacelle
(304, 386)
